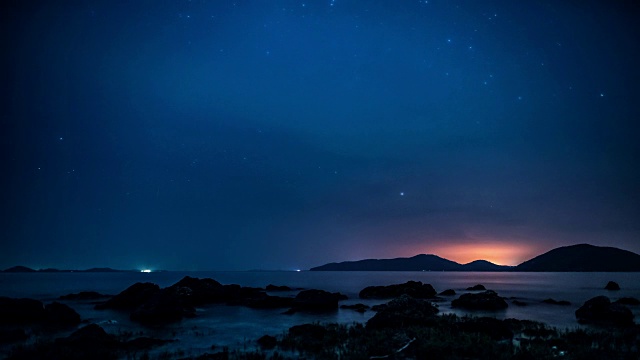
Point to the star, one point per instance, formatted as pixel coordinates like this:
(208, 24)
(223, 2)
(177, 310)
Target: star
(402, 193)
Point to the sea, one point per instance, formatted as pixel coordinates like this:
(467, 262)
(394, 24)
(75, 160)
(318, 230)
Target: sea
(236, 327)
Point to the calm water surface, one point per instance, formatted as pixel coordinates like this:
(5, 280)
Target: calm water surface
(223, 325)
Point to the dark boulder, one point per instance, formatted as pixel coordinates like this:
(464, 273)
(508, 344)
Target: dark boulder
(555, 302)
(448, 292)
(271, 287)
(627, 301)
(85, 295)
(316, 300)
(478, 287)
(8, 336)
(167, 306)
(494, 328)
(612, 285)
(200, 291)
(403, 312)
(600, 310)
(267, 342)
(20, 311)
(361, 308)
(415, 289)
(56, 314)
(132, 297)
(488, 300)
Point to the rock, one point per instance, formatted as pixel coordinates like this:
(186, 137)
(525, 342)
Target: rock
(600, 310)
(627, 301)
(8, 336)
(20, 311)
(271, 287)
(478, 287)
(167, 306)
(85, 295)
(267, 342)
(196, 291)
(316, 300)
(56, 314)
(88, 342)
(448, 292)
(554, 302)
(402, 312)
(132, 297)
(415, 289)
(612, 285)
(488, 300)
(519, 303)
(494, 328)
(361, 308)
(379, 307)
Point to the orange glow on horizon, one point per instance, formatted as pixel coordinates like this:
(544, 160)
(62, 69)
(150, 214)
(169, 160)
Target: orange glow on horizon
(497, 253)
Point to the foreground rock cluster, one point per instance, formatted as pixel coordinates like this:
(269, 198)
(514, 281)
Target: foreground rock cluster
(407, 326)
(150, 305)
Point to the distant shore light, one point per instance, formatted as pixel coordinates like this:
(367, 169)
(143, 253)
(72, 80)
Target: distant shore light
(145, 270)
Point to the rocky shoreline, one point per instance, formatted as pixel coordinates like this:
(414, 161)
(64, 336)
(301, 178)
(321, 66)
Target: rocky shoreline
(407, 326)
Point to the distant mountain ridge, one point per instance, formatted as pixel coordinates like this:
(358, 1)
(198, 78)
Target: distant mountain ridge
(24, 269)
(420, 262)
(574, 258)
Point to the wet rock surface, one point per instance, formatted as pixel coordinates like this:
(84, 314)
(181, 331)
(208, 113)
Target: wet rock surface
(600, 310)
(612, 286)
(555, 302)
(404, 311)
(488, 300)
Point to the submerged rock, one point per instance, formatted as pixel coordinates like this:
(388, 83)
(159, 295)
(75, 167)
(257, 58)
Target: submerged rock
(612, 285)
(272, 287)
(627, 301)
(404, 311)
(554, 302)
(488, 300)
(600, 310)
(478, 287)
(415, 289)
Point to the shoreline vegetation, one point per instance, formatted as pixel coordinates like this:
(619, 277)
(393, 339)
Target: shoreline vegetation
(407, 326)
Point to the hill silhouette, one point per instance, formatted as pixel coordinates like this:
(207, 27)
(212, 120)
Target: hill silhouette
(583, 257)
(575, 258)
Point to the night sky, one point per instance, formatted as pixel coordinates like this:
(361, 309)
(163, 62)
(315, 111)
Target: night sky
(233, 135)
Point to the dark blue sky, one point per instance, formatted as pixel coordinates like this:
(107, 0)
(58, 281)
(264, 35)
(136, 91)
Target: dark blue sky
(286, 134)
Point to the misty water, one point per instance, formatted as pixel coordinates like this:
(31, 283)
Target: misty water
(239, 327)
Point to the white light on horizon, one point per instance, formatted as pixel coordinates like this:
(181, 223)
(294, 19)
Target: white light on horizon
(145, 270)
